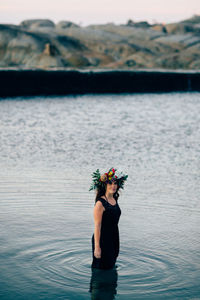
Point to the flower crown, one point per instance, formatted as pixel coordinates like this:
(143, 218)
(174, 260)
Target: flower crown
(99, 180)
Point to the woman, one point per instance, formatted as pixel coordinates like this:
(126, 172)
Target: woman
(105, 240)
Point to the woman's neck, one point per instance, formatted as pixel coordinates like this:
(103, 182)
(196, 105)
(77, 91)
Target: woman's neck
(109, 196)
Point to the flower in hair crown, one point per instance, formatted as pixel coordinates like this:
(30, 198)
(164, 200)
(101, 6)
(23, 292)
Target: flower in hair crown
(99, 180)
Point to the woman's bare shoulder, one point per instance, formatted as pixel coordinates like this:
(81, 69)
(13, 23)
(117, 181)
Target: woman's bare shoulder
(99, 204)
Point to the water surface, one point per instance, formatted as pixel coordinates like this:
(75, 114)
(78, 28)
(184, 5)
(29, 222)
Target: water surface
(49, 148)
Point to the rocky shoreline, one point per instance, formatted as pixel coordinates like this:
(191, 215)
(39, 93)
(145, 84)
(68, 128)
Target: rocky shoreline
(42, 44)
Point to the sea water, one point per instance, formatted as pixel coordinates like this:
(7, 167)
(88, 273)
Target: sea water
(49, 148)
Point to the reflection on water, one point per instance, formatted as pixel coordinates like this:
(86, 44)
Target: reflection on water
(49, 148)
(103, 284)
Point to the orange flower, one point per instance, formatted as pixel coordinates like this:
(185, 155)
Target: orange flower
(103, 177)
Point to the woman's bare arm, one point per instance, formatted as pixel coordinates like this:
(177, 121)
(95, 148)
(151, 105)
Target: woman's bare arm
(98, 212)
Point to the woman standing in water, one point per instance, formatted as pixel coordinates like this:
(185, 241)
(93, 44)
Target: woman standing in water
(105, 240)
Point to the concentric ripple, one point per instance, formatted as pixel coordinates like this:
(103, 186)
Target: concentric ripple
(54, 264)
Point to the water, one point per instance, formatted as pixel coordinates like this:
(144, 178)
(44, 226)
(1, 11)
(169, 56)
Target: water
(49, 148)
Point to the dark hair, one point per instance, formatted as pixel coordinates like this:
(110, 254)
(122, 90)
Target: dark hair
(102, 190)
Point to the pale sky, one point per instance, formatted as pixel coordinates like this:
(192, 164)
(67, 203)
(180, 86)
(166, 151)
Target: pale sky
(85, 12)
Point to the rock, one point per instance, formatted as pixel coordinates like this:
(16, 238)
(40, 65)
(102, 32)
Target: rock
(45, 61)
(143, 24)
(130, 63)
(159, 27)
(70, 43)
(35, 23)
(195, 64)
(76, 60)
(175, 28)
(66, 24)
(39, 43)
(94, 61)
(195, 19)
(186, 26)
(197, 28)
(130, 23)
(50, 50)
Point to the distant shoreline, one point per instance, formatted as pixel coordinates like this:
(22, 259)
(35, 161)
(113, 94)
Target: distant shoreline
(45, 44)
(32, 82)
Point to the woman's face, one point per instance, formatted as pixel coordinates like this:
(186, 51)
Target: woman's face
(111, 187)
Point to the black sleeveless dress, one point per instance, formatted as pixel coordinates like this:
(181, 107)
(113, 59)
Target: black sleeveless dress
(109, 238)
